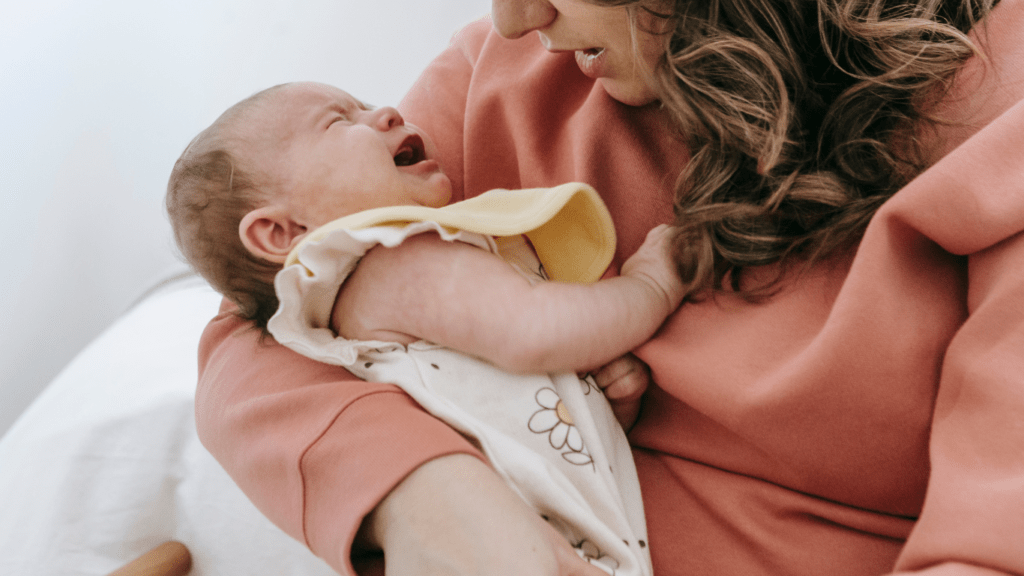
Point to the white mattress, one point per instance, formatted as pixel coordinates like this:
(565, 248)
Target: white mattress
(106, 463)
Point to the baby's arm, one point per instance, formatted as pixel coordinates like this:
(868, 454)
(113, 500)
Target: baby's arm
(466, 299)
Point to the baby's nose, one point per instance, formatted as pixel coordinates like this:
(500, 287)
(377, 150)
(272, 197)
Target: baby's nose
(386, 118)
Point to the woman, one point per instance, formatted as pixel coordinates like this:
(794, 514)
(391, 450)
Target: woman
(842, 392)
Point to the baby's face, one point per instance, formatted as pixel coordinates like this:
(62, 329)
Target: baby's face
(333, 156)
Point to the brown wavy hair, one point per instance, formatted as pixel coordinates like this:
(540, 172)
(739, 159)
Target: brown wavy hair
(797, 113)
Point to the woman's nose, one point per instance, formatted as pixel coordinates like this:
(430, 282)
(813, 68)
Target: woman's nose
(516, 18)
(385, 118)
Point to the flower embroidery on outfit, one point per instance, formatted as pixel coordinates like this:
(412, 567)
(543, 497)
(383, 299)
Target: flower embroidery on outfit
(554, 419)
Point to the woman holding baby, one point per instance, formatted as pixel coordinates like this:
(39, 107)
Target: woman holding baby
(841, 391)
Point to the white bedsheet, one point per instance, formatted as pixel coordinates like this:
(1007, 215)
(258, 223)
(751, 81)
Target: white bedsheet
(106, 463)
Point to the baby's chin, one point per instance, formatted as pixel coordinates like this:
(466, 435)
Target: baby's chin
(439, 190)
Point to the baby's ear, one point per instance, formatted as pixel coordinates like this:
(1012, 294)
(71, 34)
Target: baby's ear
(270, 233)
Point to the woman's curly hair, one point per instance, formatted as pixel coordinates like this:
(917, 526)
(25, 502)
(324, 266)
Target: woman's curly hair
(797, 113)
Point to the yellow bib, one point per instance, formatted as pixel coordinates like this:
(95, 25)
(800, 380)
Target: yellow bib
(569, 225)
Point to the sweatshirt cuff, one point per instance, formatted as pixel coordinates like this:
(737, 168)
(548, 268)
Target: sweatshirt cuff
(358, 461)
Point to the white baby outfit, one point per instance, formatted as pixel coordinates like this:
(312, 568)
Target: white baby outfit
(552, 437)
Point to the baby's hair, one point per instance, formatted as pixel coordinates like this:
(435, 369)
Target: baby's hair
(210, 190)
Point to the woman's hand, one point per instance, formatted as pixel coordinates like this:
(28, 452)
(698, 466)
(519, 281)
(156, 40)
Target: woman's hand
(454, 516)
(624, 381)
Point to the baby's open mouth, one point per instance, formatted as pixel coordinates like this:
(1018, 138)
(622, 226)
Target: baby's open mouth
(412, 151)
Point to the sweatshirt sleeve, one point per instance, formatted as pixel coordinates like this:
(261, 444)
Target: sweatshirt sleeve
(314, 448)
(970, 203)
(973, 515)
(973, 519)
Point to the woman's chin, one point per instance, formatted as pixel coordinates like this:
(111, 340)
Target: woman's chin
(633, 93)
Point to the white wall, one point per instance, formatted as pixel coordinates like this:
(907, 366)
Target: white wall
(98, 98)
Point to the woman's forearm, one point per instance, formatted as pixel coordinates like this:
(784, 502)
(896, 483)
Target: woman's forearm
(289, 431)
(453, 516)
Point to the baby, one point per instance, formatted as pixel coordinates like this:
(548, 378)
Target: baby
(446, 301)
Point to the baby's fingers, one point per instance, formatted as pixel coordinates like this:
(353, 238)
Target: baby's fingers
(625, 378)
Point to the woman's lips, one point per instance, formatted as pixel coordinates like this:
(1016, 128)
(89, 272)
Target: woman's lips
(591, 62)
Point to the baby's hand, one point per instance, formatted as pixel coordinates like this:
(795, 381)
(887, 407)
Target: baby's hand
(654, 263)
(624, 381)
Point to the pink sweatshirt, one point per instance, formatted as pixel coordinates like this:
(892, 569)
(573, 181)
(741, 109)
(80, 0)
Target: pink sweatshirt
(868, 419)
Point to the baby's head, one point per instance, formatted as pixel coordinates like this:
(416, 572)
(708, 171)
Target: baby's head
(279, 164)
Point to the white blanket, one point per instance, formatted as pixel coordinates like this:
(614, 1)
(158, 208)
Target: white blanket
(106, 463)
